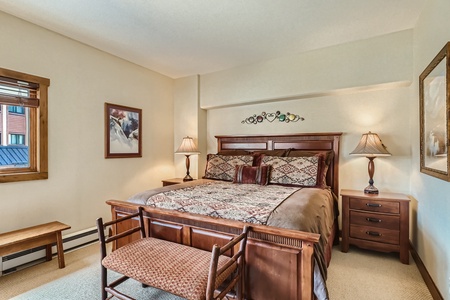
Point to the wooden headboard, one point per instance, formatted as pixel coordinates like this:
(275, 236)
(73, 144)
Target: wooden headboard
(301, 141)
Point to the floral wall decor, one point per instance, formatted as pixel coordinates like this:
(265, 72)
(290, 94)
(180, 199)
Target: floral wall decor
(280, 117)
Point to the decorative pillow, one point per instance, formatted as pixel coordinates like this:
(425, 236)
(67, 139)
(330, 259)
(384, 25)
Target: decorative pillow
(222, 167)
(327, 158)
(300, 171)
(252, 175)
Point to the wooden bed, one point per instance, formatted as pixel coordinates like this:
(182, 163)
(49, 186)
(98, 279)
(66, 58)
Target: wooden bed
(280, 262)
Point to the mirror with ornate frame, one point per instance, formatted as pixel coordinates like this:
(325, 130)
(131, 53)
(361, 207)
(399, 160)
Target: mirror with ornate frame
(434, 122)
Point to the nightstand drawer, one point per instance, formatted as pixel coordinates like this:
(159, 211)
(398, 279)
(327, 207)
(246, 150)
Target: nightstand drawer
(375, 220)
(375, 205)
(375, 234)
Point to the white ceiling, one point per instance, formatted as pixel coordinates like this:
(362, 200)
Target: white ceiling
(186, 37)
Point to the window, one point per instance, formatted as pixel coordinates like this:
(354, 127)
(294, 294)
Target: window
(24, 142)
(16, 139)
(16, 109)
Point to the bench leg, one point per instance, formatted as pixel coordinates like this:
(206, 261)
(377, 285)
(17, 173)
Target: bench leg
(48, 252)
(60, 250)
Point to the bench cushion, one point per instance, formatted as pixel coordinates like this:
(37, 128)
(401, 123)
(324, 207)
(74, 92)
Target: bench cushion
(175, 268)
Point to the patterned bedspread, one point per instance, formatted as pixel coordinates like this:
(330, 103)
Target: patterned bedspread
(241, 202)
(304, 209)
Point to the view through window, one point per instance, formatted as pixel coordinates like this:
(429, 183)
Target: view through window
(23, 126)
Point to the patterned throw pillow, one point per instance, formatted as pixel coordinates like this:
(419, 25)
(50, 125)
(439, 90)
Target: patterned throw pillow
(252, 175)
(222, 167)
(300, 171)
(326, 158)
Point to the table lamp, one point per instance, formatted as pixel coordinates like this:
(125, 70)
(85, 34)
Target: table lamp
(187, 148)
(370, 146)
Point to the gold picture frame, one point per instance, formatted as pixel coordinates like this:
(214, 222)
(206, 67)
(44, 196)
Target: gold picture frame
(434, 96)
(123, 131)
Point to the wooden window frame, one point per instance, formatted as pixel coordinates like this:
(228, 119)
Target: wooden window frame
(38, 132)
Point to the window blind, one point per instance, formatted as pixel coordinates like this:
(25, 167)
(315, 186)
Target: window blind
(18, 93)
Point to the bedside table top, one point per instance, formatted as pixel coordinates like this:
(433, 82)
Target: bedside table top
(175, 180)
(380, 196)
(178, 180)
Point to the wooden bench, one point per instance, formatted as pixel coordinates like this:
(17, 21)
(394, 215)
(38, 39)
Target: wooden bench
(35, 236)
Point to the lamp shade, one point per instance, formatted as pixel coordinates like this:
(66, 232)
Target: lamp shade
(187, 147)
(370, 145)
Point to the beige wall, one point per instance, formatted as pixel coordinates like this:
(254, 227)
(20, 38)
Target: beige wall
(431, 196)
(82, 80)
(189, 120)
(376, 62)
(338, 101)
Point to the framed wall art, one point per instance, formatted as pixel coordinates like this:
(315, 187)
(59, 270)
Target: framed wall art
(123, 131)
(434, 123)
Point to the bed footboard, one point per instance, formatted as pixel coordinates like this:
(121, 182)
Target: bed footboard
(279, 262)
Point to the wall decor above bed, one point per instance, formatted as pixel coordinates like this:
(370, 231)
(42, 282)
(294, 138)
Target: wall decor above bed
(123, 131)
(280, 117)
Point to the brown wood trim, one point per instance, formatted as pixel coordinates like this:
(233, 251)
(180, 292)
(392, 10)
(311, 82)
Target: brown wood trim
(282, 135)
(434, 291)
(125, 207)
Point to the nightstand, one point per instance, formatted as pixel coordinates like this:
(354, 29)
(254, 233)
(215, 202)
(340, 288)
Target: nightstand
(171, 181)
(376, 222)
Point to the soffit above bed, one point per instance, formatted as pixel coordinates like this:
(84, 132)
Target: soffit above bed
(180, 38)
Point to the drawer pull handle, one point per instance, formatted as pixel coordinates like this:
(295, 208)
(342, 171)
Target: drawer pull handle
(373, 233)
(373, 205)
(375, 220)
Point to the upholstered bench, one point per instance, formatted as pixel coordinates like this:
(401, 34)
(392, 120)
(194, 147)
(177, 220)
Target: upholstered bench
(36, 236)
(191, 273)
(171, 267)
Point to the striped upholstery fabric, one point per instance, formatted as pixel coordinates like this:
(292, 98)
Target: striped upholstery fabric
(175, 268)
(252, 175)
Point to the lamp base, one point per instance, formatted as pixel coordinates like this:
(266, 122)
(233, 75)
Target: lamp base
(370, 189)
(188, 163)
(188, 178)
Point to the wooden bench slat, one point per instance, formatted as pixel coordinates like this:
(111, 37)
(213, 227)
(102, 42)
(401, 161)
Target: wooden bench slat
(30, 243)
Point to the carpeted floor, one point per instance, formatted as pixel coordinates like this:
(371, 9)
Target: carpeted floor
(363, 274)
(357, 274)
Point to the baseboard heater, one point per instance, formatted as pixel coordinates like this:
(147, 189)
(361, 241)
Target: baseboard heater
(19, 260)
